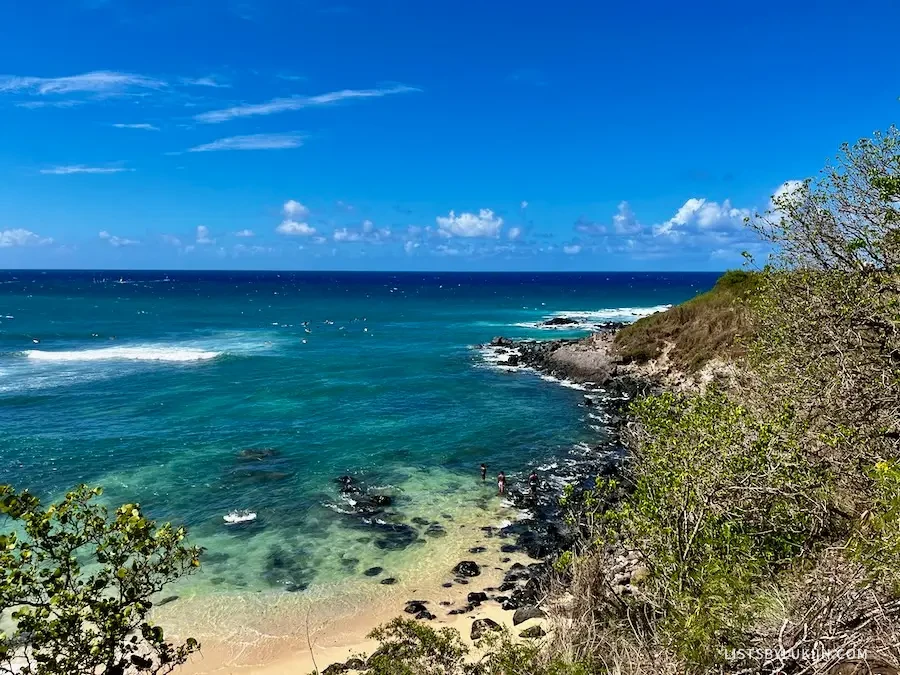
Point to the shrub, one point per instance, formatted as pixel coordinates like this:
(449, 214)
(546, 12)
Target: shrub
(78, 586)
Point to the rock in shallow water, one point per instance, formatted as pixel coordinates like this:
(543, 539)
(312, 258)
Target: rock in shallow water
(390, 581)
(373, 571)
(467, 568)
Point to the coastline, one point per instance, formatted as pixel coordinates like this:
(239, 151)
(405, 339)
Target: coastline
(514, 559)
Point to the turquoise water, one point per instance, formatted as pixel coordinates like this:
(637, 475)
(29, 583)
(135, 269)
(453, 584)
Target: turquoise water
(152, 384)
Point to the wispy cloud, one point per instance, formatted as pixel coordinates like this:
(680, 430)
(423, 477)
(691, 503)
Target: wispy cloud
(208, 81)
(81, 168)
(252, 142)
(141, 127)
(64, 103)
(203, 237)
(244, 233)
(105, 82)
(277, 105)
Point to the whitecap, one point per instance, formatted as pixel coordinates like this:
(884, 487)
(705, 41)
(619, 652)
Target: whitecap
(166, 354)
(591, 320)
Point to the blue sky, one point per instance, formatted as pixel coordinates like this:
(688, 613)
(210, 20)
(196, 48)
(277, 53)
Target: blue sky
(379, 134)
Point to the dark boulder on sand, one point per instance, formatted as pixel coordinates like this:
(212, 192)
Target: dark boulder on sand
(425, 615)
(390, 581)
(533, 632)
(415, 607)
(467, 568)
(335, 669)
(477, 597)
(480, 627)
(524, 613)
(373, 571)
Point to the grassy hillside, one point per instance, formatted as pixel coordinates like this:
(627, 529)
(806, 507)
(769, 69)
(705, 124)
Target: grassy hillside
(704, 327)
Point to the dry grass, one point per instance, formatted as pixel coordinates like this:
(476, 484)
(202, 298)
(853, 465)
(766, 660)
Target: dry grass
(706, 327)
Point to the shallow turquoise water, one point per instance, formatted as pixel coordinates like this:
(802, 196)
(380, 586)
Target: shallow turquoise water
(151, 384)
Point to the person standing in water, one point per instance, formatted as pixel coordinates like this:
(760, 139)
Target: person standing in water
(501, 483)
(533, 481)
(484, 472)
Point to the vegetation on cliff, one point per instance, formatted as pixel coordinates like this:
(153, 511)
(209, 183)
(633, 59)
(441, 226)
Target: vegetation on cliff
(766, 515)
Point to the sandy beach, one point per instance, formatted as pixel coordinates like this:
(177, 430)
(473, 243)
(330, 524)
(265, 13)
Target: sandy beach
(279, 642)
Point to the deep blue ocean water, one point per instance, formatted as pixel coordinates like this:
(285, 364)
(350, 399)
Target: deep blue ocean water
(152, 383)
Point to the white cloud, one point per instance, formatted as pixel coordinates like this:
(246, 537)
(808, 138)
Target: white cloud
(625, 222)
(22, 237)
(572, 249)
(105, 82)
(81, 168)
(410, 246)
(448, 250)
(117, 241)
(242, 249)
(252, 142)
(203, 237)
(171, 239)
(293, 228)
(140, 127)
(367, 232)
(278, 105)
(703, 216)
(485, 224)
(514, 233)
(244, 233)
(294, 209)
(524, 204)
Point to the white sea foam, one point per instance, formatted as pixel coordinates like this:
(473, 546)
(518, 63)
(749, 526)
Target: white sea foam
(167, 354)
(590, 320)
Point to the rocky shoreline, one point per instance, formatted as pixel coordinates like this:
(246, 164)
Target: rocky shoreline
(542, 534)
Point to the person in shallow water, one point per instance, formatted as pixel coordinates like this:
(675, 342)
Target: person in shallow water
(533, 481)
(484, 472)
(501, 482)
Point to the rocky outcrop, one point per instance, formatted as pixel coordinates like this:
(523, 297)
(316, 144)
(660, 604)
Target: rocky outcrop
(467, 568)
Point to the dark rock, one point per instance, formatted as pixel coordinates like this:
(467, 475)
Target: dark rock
(335, 669)
(414, 607)
(501, 342)
(559, 321)
(390, 581)
(258, 453)
(418, 520)
(533, 632)
(477, 549)
(510, 605)
(356, 664)
(467, 568)
(167, 600)
(464, 582)
(480, 627)
(500, 599)
(507, 586)
(435, 530)
(505, 560)
(445, 603)
(524, 613)
(380, 500)
(509, 548)
(512, 360)
(394, 536)
(348, 485)
(373, 571)
(425, 615)
(477, 597)
(447, 584)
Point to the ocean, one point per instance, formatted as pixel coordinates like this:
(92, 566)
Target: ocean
(155, 385)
